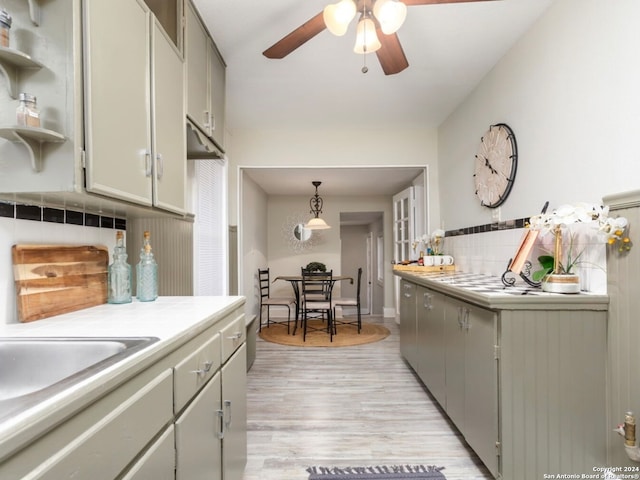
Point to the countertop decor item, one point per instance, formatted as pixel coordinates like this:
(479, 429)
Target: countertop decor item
(558, 274)
(377, 472)
(496, 164)
(55, 279)
(146, 273)
(316, 267)
(119, 274)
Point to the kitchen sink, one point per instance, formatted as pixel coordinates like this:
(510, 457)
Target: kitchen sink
(33, 369)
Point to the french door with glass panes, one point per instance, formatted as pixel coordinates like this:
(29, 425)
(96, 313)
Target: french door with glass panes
(408, 224)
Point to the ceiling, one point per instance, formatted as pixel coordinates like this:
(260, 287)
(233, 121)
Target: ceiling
(382, 181)
(450, 48)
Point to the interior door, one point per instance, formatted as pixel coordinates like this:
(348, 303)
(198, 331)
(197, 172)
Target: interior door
(408, 212)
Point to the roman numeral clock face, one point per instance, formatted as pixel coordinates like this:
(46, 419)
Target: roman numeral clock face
(495, 165)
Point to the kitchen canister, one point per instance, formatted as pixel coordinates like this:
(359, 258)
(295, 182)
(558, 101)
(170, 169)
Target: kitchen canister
(27, 113)
(5, 26)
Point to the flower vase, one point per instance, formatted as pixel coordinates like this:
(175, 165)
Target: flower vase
(561, 283)
(558, 281)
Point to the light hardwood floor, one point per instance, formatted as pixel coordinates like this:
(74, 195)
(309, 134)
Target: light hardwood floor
(349, 406)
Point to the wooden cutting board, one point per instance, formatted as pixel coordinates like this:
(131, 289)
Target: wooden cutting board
(55, 279)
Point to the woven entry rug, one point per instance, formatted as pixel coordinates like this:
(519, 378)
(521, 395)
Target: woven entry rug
(347, 335)
(388, 472)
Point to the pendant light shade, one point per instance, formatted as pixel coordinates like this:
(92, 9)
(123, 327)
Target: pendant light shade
(366, 38)
(338, 16)
(390, 14)
(316, 223)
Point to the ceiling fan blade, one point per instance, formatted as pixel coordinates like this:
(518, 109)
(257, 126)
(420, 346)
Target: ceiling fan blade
(436, 2)
(391, 55)
(300, 35)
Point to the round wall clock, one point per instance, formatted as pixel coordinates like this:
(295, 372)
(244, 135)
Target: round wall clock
(495, 165)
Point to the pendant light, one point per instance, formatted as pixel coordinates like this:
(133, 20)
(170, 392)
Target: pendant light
(316, 223)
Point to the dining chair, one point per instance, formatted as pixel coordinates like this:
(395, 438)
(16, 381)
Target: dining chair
(349, 302)
(316, 300)
(266, 300)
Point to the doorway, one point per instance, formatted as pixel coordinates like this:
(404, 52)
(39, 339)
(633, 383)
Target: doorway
(357, 249)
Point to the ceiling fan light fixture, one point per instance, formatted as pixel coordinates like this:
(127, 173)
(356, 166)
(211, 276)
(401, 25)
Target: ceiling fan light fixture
(337, 16)
(366, 38)
(391, 15)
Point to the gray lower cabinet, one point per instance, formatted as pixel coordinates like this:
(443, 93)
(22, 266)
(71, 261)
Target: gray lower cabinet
(456, 361)
(430, 338)
(183, 417)
(523, 380)
(408, 324)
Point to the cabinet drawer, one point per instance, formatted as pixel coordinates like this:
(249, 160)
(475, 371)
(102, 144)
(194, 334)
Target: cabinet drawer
(103, 451)
(158, 462)
(195, 370)
(233, 335)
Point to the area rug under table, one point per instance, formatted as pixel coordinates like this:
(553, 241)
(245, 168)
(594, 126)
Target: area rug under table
(346, 335)
(384, 472)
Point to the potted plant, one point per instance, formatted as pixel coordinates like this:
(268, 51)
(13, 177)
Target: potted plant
(557, 274)
(316, 267)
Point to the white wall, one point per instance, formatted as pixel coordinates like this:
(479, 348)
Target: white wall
(252, 237)
(273, 148)
(570, 91)
(339, 148)
(327, 244)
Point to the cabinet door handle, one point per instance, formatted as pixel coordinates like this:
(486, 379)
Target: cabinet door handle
(147, 164)
(235, 336)
(227, 418)
(220, 415)
(207, 366)
(160, 165)
(427, 301)
(207, 119)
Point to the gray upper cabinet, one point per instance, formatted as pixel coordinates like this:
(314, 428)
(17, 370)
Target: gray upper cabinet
(205, 79)
(135, 139)
(110, 83)
(169, 139)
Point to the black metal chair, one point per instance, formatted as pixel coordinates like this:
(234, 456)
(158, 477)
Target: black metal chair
(316, 300)
(349, 302)
(266, 300)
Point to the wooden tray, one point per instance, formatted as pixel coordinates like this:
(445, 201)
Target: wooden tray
(424, 268)
(55, 279)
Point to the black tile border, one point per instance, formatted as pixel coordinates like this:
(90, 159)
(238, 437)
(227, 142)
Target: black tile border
(58, 215)
(53, 215)
(7, 210)
(489, 227)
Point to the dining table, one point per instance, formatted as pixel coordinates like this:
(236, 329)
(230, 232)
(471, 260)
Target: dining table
(296, 280)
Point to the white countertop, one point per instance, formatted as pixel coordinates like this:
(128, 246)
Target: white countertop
(173, 320)
(489, 291)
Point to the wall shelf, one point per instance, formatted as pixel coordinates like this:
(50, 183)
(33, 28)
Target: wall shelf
(11, 61)
(32, 138)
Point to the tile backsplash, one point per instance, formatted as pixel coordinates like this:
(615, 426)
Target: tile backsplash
(490, 253)
(29, 224)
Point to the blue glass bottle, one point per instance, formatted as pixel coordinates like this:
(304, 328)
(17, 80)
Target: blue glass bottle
(119, 274)
(146, 273)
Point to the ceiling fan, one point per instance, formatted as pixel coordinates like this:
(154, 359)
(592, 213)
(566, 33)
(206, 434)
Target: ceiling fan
(376, 31)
